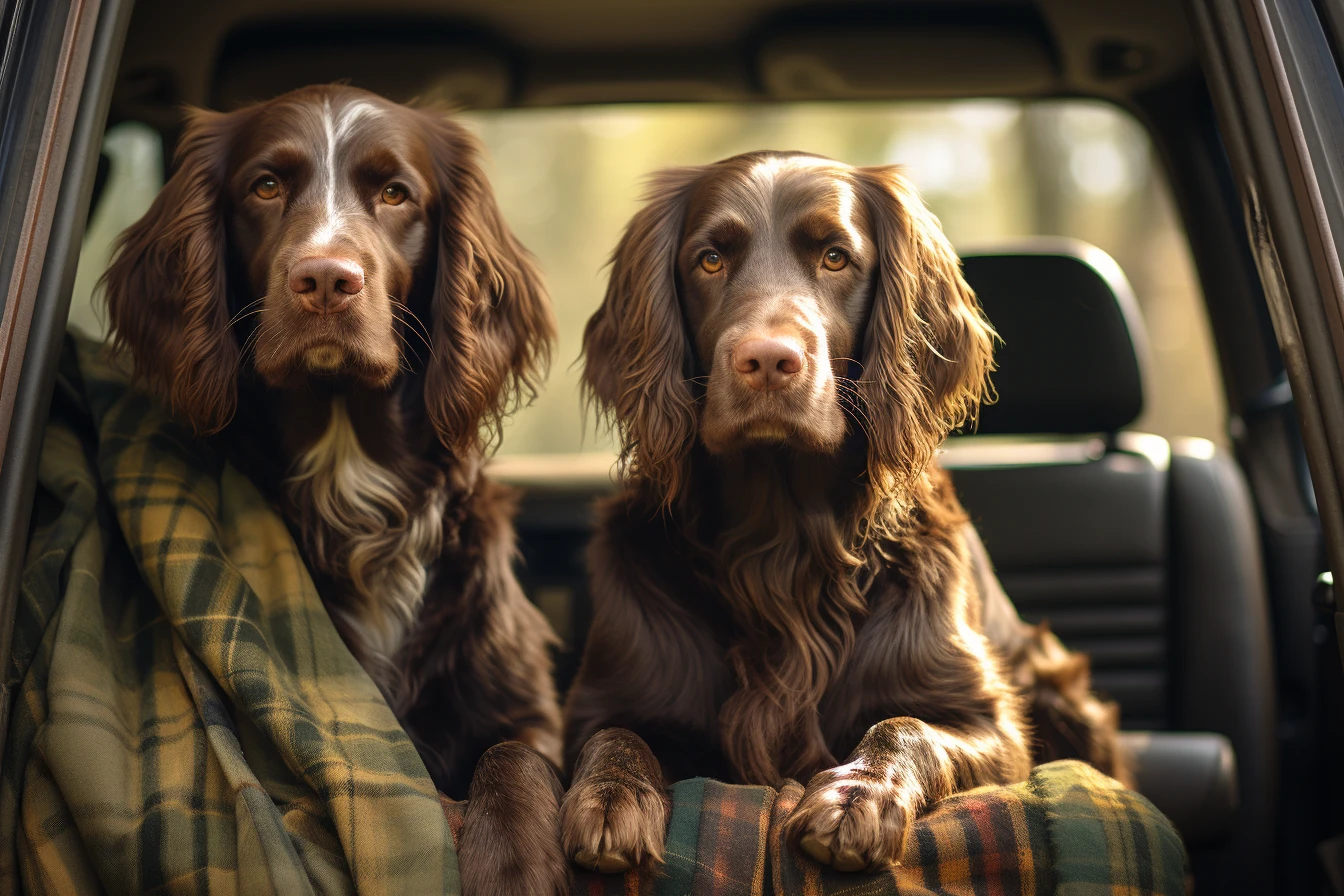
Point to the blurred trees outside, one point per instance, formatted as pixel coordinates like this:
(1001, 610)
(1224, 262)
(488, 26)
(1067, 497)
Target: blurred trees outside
(569, 179)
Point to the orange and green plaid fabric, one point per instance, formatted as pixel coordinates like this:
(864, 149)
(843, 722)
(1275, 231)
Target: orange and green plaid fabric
(184, 716)
(1067, 830)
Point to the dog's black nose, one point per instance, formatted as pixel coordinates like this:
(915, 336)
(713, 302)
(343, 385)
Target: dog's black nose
(324, 284)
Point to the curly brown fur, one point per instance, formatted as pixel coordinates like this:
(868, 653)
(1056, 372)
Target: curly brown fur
(327, 288)
(1067, 720)
(785, 578)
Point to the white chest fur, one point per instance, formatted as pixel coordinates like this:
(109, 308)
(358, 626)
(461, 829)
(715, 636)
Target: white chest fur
(366, 535)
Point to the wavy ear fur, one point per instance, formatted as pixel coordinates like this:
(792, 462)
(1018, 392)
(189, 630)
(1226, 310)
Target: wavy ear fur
(166, 288)
(928, 350)
(637, 357)
(492, 323)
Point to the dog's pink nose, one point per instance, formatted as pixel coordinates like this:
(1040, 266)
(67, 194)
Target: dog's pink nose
(768, 363)
(324, 285)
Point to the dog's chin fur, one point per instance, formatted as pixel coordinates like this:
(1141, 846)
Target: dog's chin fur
(334, 367)
(769, 436)
(326, 359)
(745, 424)
(330, 352)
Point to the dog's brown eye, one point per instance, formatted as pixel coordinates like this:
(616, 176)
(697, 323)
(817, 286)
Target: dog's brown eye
(835, 259)
(394, 194)
(266, 187)
(712, 262)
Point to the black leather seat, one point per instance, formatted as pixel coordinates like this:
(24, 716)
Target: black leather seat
(1141, 551)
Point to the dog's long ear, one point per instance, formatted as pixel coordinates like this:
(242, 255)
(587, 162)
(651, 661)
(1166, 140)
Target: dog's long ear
(493, 328)
(928, 350)
(166, 291)
(637, 357)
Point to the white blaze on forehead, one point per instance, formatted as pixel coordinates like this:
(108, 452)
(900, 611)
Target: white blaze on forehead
(332, 222)
(846, 197)
(767, 168)
(337, 129)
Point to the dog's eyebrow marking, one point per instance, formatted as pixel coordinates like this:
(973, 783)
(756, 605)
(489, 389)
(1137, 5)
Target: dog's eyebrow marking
(336, 130)
(728, 233)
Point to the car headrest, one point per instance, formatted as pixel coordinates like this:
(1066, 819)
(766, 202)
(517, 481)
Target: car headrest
(1073, 353)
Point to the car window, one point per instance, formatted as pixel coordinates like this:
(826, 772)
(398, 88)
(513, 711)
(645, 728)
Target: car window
(569, 178)
(134, 176)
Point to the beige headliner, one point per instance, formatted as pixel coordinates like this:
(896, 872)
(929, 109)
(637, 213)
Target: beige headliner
(701, 45)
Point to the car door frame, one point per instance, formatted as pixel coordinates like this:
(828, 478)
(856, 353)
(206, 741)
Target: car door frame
(1276, 88)
(1276, 93)
(58, 61)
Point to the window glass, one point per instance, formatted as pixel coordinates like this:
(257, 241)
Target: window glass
(569, 179)
(134, 176)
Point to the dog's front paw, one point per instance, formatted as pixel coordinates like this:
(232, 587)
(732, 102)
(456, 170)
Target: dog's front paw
(612, 822)
(510, 841)
(851, 820)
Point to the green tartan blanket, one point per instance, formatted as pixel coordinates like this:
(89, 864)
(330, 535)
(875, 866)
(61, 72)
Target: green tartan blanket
(184, 718)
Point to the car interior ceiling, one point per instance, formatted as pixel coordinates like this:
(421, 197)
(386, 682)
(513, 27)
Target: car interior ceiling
(1168, 537)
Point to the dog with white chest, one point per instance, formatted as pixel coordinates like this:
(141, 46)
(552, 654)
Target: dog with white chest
(327, 289)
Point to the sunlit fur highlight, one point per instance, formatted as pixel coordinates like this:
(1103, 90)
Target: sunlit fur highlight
(927, 353)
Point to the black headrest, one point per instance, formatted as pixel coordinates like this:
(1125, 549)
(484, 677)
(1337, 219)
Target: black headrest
(1073, 352)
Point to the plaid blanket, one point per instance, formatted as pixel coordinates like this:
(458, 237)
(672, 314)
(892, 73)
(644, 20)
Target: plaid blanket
(186, 719)
(1067, 830)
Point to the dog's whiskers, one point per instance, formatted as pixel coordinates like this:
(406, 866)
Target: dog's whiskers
(421, 330)
(250, 343)
(410, 349)
(246, 311)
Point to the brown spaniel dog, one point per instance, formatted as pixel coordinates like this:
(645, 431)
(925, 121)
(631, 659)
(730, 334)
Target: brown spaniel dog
(786, 579)
(327, 285)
